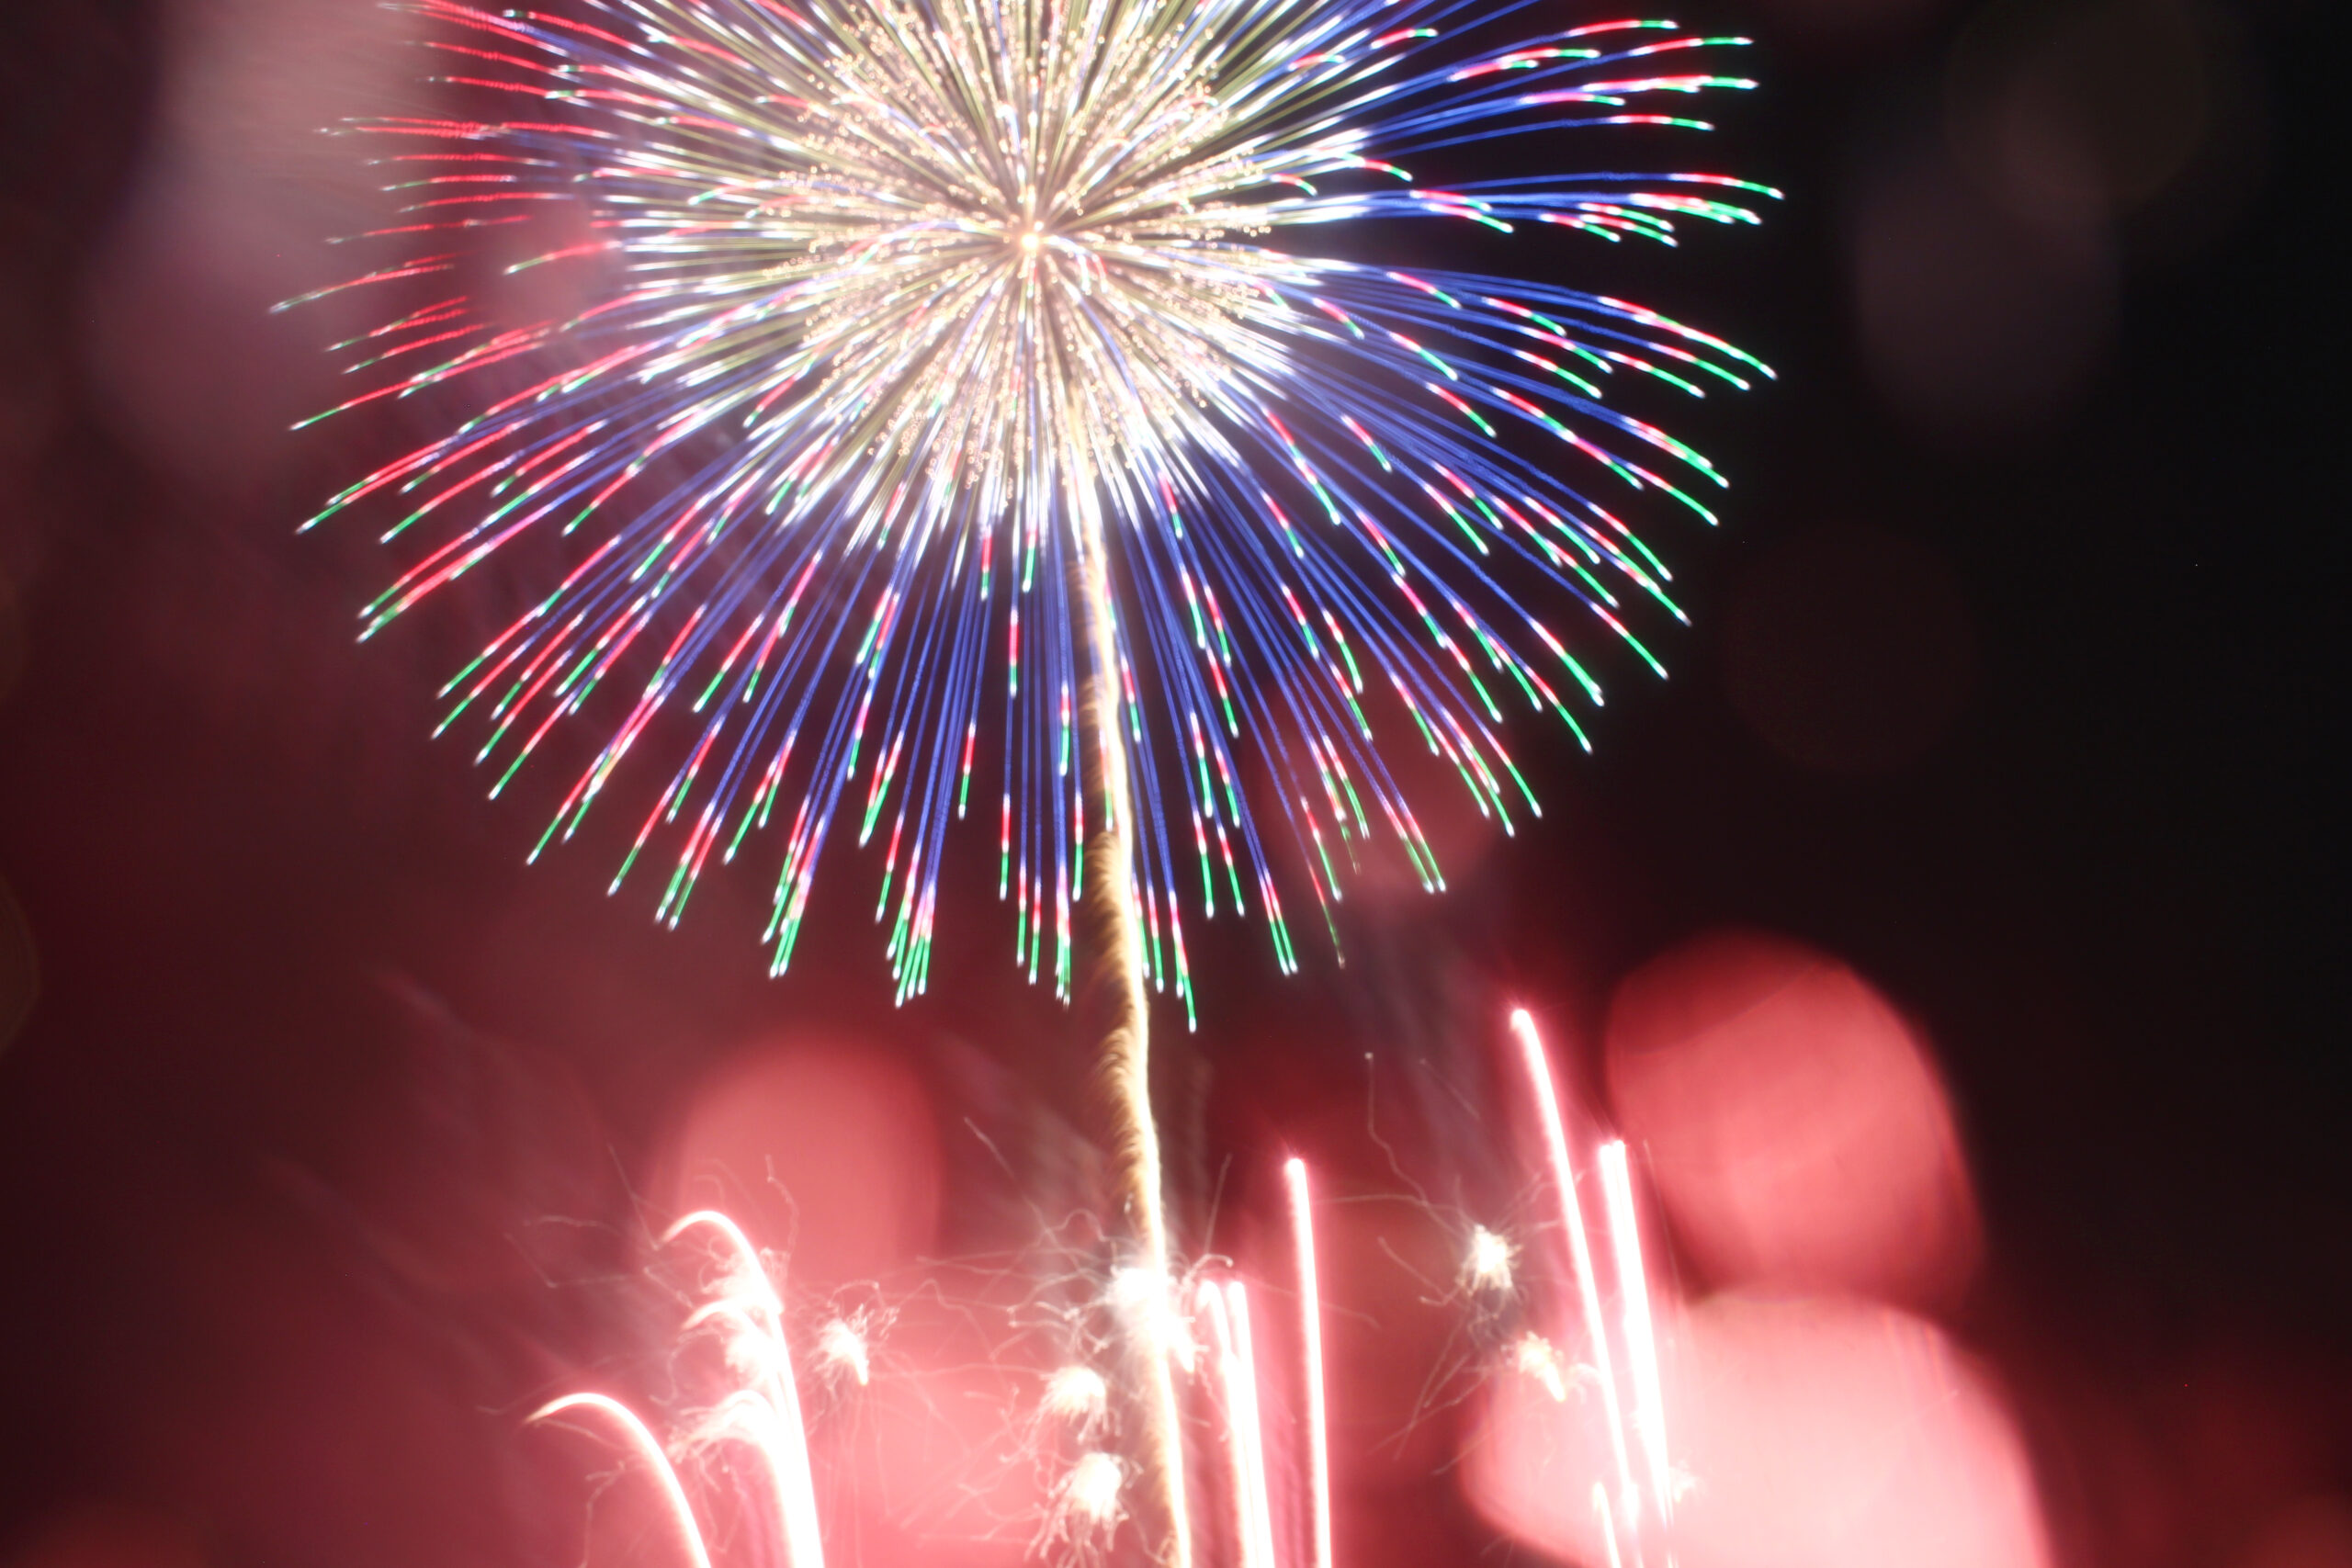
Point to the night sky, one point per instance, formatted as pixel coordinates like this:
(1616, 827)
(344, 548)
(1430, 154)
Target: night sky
(324, 1123)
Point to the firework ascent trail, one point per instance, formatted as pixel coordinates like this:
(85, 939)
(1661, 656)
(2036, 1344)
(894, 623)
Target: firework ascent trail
(1127, 1052)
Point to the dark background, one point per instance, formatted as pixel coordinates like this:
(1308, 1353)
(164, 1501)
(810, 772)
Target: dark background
(2011, 683)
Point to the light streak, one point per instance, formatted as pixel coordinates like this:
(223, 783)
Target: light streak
(1125, 1050)
(1223, 1361)
(1640, 1336)
(1564, 1182)
(1310, 1312)
(1534, 1357)
(648, 1449)
(769, 1409)
(1227, 1307)
(1236, 1303)
(1608, 1523)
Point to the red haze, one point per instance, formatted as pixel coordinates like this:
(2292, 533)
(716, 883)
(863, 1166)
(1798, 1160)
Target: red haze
(1794, 1125)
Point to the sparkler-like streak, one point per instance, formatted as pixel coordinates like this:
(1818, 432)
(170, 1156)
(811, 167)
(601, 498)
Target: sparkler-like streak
(1227, 1307)
(1127, 1055)
(1564, 1182)
(767, 1410)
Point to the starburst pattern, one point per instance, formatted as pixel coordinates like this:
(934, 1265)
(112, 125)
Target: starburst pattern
(904, 315)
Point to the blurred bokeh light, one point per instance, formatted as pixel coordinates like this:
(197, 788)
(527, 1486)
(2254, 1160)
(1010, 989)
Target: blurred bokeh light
(1815, 1434)
(824, 1151)
(1794, 1126)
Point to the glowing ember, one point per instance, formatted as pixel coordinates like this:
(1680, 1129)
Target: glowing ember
(1534, 1356)
(842, 1349)
(1077, 1399)
(1489, 1263)
(1086, 1505)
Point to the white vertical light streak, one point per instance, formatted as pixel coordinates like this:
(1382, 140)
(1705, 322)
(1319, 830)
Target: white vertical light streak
(1227, 1308)
(1262, 1512)
(1608, 1523)
(1556, 1147)
(1210, 1302)
(1310, 1307)
(1641, 1334)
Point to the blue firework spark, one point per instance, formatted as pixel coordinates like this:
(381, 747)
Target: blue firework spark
(904, 312)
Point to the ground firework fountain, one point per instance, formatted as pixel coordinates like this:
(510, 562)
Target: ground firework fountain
(1211, 1364)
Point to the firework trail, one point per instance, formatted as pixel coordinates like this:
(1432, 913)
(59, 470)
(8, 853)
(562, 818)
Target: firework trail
(1538, 1068)
(762, 1411)
(1126, 1059)
(1310, 1308)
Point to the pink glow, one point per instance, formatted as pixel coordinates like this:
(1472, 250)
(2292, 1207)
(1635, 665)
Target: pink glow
(1310, 1309)
(1813, 1434)
(1797, 1138)
(1793, 1126)
(1816, 1435)
(825, 1151)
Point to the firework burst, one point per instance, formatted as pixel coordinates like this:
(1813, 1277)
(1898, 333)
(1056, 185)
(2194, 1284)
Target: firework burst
(938, 365)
